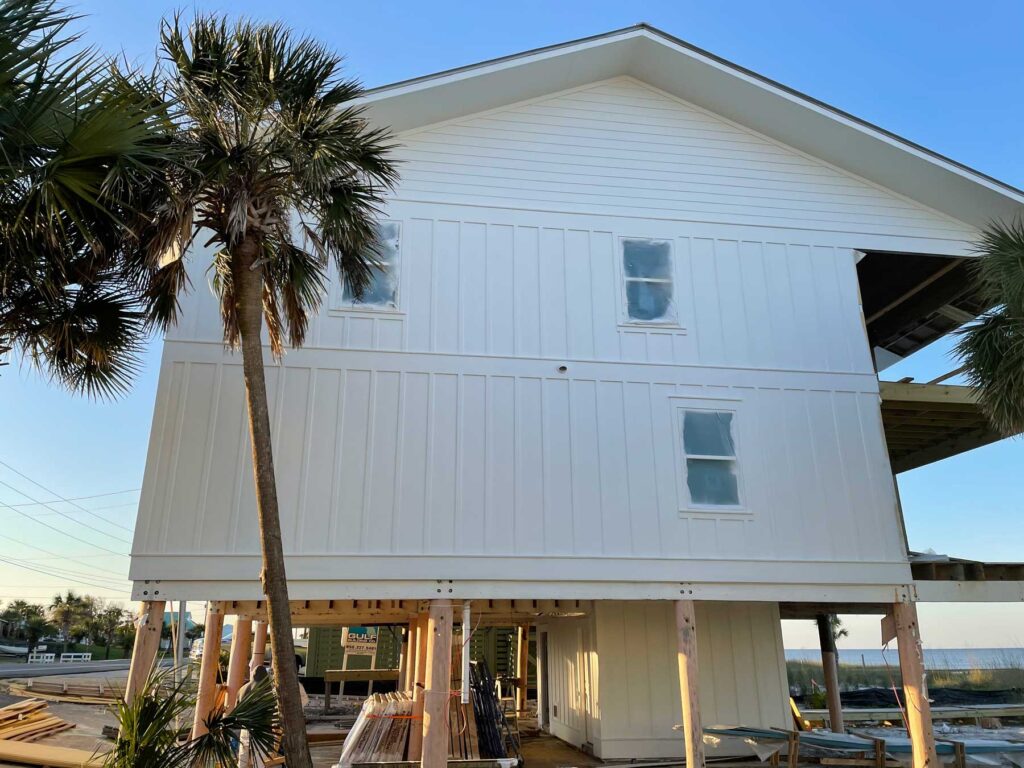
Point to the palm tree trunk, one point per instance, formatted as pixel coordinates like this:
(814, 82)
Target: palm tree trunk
(248, 285)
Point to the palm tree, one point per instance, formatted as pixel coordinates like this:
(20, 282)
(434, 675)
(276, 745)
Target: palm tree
(283, 176)
(35, 629)
(65, 612)
(992, 349)
(149, 734)
(108, 623)
(82, 157)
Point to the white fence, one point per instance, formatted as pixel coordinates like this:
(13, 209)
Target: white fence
(41, 658)
(70, 658)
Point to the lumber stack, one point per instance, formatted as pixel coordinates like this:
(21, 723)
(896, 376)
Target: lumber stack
(28, 720)
(381, 731)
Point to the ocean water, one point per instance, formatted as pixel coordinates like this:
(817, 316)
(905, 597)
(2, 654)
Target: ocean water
(934, 658)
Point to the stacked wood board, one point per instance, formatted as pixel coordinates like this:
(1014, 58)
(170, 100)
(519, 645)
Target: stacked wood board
(44, 754)
(28, 720)
(381, 731)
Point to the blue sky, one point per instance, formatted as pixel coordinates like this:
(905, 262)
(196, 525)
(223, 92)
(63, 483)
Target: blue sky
(944, 74)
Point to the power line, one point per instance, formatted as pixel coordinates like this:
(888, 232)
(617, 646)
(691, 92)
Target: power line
(62, 514)
(64, 572)
(93, 509)
(69, 501)
(82, 498)
(63, 533)
(63, 578)
(51, 552)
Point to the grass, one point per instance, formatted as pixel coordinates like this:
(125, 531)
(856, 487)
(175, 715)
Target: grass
(805, 677)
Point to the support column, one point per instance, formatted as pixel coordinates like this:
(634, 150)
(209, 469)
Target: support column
(147, 643)
(522, 665)
(438, 685)
(830, 665)
(259, 647)
(241, 646)
(418, 684)
(686, 642)
(915, 687)
(206, 694)
(403, 659)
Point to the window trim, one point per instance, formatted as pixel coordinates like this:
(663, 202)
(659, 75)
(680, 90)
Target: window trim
(734, 406)
(624, 319)
(339, 305)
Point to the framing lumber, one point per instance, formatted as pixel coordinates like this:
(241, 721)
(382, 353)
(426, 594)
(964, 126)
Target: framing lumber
(206, 694)
(915, 687)
(259, 646)
(830, 666)
(147, 643)
(241, 647)
(418, 687)
(522, 665)
(686, 642)
(438, 685)
(46, 755)
(403, 660)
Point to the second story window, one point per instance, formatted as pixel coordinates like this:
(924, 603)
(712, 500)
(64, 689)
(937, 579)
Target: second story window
(647, 271)
(710, 450)
(382, 290)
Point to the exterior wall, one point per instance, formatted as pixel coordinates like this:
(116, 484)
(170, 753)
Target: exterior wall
(614, 680)
(445, 426)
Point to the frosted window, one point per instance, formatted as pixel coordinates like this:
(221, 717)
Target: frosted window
(712, 482)
(647, 269)
(382, 290)
(710, 458)
(708, 433)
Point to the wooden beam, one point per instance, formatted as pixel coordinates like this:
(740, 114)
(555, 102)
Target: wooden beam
(686, 643)
(206, 693)
(438, 685)
(259, 647)
(403, 660)
(915, 686)
(418, 686)
(147, 643)
(522, 665)
(953, 264)
(241, 647)
(830, 666)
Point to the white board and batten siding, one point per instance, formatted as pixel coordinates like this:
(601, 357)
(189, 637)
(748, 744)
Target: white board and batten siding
(506, 426)
(612, 683)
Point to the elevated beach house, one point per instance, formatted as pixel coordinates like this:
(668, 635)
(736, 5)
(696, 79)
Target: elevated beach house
(617, 380)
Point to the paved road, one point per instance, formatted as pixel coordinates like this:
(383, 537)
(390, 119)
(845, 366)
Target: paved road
(8, 671)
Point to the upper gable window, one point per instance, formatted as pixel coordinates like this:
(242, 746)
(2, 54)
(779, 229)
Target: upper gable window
(647, 271)
(382, 290)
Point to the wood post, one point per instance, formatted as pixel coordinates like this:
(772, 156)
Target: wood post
(830, 667)
(403, 658)
(147, 643)
(418, 683)
(686, 641)
(915, 687)
(438, 685)
(259, 647)
(241, 645)
(206, 694)
(522, 665)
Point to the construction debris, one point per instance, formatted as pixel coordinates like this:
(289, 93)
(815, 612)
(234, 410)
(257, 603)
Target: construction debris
(381, 732)
(28, 720)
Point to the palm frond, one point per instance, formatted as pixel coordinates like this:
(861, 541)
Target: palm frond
(992, 352)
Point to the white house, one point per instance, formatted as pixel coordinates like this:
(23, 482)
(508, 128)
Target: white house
(619, 380)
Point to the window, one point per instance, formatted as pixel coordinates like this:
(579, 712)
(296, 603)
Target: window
(382, 290)
(647, 269)
(710, 458)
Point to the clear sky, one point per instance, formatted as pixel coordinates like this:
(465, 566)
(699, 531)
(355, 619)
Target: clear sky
(944, 74)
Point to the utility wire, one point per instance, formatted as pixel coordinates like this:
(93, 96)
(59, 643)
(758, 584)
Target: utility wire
(69, 501)
(62, 514)
(93, 509)
(64, 572)
(63, 578)
(63, 533)
(82, 498)
(66, 558)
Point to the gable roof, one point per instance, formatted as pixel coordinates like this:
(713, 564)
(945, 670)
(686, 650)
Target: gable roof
(715, 84)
